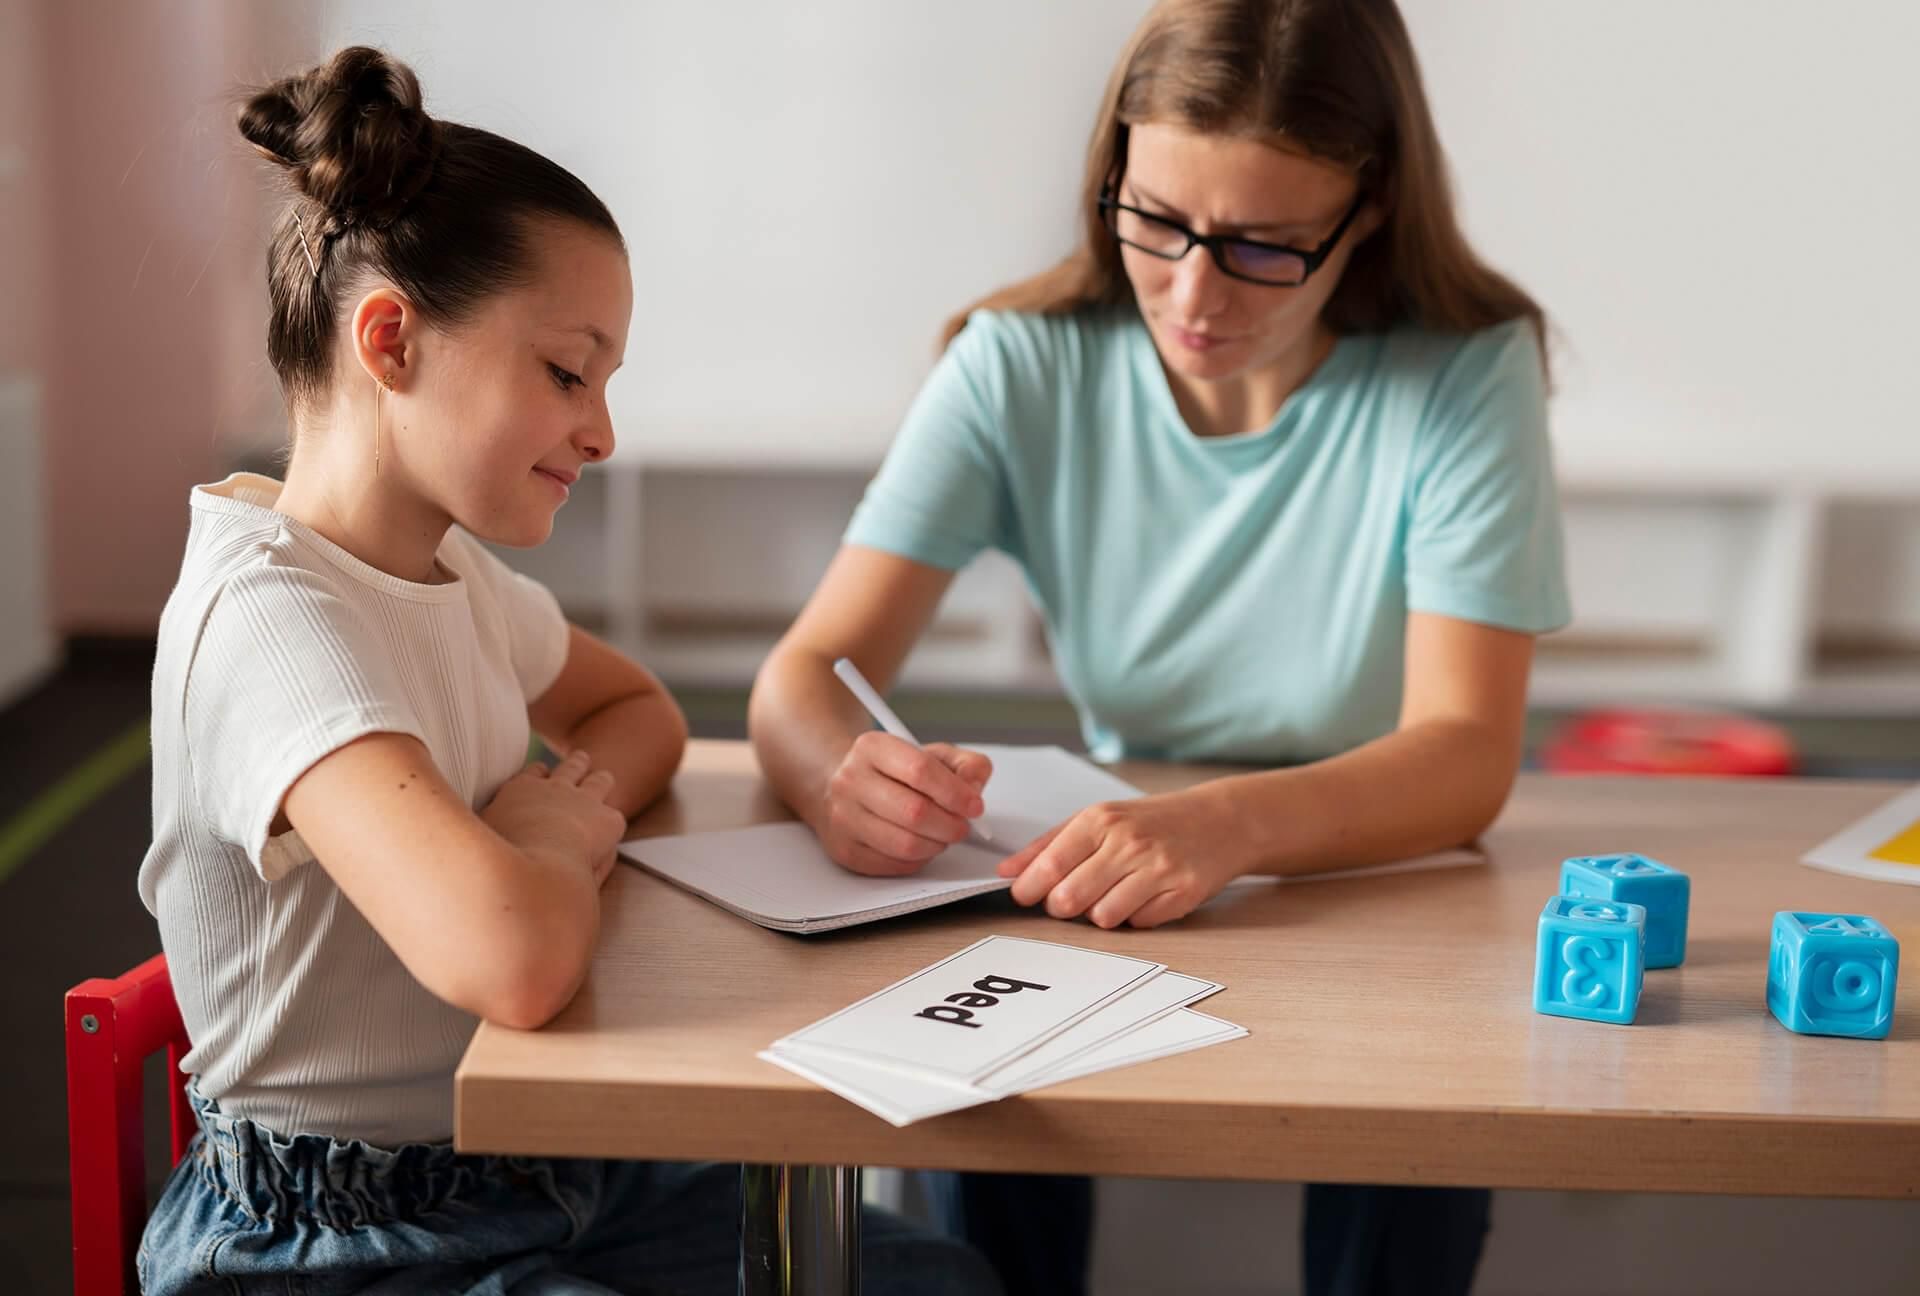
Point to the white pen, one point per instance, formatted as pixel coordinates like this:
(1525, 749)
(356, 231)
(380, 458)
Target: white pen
(883, 715)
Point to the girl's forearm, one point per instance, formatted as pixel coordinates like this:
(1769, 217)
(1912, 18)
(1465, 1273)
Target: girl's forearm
(640, 738)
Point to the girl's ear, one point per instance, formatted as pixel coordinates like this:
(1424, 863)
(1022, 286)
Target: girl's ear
(385, 325)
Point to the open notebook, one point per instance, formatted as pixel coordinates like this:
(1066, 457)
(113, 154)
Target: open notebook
(778, 875)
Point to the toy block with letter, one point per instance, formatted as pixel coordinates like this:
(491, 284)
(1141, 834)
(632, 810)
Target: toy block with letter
(1591, 959)
(1636, 879)
(1832, 974)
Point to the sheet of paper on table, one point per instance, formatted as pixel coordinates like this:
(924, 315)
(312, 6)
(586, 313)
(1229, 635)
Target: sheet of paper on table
(1883, 845)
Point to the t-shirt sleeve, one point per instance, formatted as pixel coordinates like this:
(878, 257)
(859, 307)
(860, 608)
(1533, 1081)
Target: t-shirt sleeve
(536, 629)
(285, 673)
(1484, 537)
(941, 495)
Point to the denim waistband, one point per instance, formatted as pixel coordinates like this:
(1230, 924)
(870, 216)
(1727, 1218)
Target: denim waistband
(344, 1184)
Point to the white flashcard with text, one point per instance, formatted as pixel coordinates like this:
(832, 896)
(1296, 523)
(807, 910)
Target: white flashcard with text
(976, 1011)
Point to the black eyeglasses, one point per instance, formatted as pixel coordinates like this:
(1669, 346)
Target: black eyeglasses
(1243, 258)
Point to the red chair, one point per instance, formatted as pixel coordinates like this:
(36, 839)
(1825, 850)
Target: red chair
(1660, 741)
(113, 1026)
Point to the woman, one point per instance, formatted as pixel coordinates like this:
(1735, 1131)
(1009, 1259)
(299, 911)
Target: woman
(1271, 448)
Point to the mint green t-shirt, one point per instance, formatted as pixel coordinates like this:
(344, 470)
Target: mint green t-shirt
(1237, 598)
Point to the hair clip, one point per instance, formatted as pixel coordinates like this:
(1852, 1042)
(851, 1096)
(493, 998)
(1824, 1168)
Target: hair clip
(311, 263)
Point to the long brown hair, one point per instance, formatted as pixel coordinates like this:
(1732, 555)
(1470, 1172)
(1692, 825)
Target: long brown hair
(1337, 78)
(380, 188)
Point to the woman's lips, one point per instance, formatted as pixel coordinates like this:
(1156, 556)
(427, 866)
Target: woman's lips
(1196, 342)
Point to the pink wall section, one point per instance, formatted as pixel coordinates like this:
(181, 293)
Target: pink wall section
(146, 318)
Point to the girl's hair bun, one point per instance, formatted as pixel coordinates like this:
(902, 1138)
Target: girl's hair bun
(351, 134)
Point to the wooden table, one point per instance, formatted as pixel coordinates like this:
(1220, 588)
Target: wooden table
(1393, 1035)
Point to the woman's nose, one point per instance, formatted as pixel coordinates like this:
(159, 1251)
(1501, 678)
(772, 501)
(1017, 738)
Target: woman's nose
(1199, 289)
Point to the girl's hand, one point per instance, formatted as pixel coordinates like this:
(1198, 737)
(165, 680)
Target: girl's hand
(562, 812)
(1143, 862)
(891, 806)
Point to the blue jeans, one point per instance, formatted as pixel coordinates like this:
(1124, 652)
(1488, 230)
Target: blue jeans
(248, 1210)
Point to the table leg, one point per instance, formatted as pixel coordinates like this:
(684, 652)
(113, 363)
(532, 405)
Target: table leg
(799, 1230)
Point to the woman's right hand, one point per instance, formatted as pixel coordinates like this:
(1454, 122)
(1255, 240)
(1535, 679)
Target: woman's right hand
(561, 812)
(891, 806)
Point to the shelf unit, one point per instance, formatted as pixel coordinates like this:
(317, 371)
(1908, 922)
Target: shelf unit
(27, 646)
(1761, 594)
(696, 568)
(1693, 591)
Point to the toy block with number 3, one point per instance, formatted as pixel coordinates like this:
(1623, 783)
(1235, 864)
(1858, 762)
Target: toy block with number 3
(1591, 960)
(1635, 879)
(1832, 974)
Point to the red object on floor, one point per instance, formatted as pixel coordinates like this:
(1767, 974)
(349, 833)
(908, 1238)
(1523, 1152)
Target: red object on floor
(1667, 742)
(113, 1026)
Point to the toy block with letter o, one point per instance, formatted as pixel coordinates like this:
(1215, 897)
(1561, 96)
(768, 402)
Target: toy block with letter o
(1591, 959)
(1635, 879)
(1832, 974)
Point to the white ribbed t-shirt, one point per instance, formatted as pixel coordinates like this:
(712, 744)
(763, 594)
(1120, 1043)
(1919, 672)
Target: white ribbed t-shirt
(276, 648)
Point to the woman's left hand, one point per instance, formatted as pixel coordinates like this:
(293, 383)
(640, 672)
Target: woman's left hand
(1143, 862)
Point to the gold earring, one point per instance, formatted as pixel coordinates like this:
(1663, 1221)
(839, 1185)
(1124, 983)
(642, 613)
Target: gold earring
(386, 381)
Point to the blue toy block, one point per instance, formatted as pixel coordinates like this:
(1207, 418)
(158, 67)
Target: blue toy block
(1832, 974)
(1591, 960)
(1635, 879)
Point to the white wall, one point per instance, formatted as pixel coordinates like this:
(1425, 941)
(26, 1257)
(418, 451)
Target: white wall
(808, 189)
(1714, 198)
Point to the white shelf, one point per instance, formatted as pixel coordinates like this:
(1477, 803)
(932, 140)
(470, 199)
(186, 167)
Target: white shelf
(27, 646)
(845, 446)
(1890, 690)
(730, 661)
(1743, 573)
(1570, 684)
(1755, 569)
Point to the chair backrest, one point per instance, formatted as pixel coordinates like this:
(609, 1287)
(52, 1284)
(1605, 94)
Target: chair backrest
(113, 1026)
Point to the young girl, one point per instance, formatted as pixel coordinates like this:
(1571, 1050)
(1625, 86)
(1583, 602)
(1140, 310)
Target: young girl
(350, 866)
(1271, 447)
